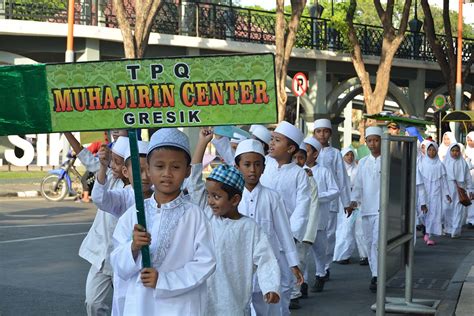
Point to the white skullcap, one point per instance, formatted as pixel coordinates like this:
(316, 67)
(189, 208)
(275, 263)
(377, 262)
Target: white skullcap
(252, 127)
(313, 142)
(290, 131)
(303, 146)
(373, 130)
(142, 149)
(262, 133)
(322, 123)
(344, 151)
(237, 138)
(249, 146)
(169, 137)
(121, 146)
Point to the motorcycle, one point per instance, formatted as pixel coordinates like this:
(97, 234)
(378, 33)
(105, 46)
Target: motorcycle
(64, 181)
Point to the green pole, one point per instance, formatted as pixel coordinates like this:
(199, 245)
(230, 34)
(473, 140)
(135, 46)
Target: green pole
(137, 188)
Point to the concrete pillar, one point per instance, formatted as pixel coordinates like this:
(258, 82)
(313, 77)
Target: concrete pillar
(192, 51)
(91, 51)
(347, 139)
(318, 87)
(416, 92)
(100, 12)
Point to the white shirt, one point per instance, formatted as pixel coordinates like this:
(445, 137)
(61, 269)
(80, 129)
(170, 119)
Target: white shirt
(314, 217)
(328, 191)
(292, 183)
(114, 202)
(366, 188)
(331, 158)
(182, 252)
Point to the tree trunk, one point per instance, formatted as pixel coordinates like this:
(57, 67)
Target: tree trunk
(285, 40)
(374, 98)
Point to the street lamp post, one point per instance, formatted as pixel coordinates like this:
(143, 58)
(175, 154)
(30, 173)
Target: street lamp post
(415, 26)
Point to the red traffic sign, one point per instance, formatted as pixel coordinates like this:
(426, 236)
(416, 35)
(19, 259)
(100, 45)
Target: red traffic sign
(300, 84)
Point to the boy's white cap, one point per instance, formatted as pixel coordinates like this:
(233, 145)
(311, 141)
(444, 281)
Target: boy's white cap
(142, 149)
(252, 127)
(169, 137)
(303, 146)
(121, 146)
(344, 151)
(262, 133)
(249, 146)
(322, 123)
(313, 142)
(373, 130)
(290, 131)
(237, 138)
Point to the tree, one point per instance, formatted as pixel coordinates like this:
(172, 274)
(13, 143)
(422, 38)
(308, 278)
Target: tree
(135, 39)
(285, 37)
(374, 97)
(446, 55)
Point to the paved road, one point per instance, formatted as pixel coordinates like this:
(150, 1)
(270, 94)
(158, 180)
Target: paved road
(41, 273)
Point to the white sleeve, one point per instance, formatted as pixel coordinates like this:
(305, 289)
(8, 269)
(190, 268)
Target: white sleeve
(115, 202)
(224, 149)
(343, 181)
(121, 257)
(196, 187)
(333, 191)
(89, 161)
(195, 272)
(356, 193)
(299, 217)
(314, 216)
(268, 271)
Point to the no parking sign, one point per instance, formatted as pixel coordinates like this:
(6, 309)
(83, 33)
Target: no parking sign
(300, 84)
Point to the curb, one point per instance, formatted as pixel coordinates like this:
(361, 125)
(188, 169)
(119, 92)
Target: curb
(21, 194)
(450, 300)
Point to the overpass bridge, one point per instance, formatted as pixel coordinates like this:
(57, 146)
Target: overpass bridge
(35, 31)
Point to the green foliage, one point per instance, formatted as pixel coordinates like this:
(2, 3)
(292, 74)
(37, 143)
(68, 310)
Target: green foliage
(39, 10)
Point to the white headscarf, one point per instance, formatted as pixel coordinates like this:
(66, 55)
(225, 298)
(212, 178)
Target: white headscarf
(349, 167)
(470, 150)
(431, 168)
(443, 149)
(455, 168)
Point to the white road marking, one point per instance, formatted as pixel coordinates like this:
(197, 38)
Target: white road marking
(45, 225)
(40, 238)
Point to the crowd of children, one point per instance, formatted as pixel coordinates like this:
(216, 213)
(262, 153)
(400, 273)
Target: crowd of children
(240, 241)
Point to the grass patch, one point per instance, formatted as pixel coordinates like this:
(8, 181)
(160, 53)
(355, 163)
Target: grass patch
(22, 174)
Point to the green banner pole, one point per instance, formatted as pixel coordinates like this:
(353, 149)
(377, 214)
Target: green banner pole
(137, 188)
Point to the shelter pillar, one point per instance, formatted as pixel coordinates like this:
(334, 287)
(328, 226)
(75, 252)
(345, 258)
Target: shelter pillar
(416, 92)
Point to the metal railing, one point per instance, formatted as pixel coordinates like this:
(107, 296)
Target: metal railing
(209, 20)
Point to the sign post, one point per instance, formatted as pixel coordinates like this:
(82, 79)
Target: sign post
(299, 87)
(439, 103)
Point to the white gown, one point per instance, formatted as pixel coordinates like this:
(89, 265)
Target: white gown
(181, 250)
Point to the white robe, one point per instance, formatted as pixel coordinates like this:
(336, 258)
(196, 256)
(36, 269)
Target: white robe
(292, 183)
(470, 160)
(182, 252)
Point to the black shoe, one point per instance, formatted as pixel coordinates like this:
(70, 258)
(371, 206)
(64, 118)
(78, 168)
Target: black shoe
(364, 261)
(373, 285)
(295, 304)
(304, 290)
(418, 227)
(326, 277)
(318, 284)
(345, 261)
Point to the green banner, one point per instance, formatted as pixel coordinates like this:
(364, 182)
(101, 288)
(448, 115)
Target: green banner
(171, 92)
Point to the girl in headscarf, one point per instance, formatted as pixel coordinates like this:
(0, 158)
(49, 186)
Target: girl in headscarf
(432, 174)
(448, 139)
(469, 153)
(458, 175)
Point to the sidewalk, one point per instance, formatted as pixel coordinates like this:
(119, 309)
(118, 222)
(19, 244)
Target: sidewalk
(16, 186)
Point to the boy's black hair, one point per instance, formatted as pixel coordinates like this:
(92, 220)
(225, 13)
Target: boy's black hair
(292, 143)
(265, 145)
(231, 191)
(129, 160)
(239, 157)
(303, 151)
(174, 148)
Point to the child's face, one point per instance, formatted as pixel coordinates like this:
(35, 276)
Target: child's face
(446, 140)
(349, 157)
(373, 142)
(455, 152)
(116, 133)
(470, 142)
(219, 200)
(323, 135)
(423, 149)
(251, 165)
(128, 172)
(432, 152)
(167, 170)
(311, 154)
(279, 146)
(116, 165)
(300, 158)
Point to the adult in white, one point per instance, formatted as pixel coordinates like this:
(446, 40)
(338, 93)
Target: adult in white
(448, 139)
(470, 160)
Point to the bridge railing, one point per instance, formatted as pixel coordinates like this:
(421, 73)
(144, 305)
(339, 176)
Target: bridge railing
(209, 20)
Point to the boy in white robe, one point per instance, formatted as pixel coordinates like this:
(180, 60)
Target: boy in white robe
(241, 246)
(366, 191)
(331, 158)
(178, 234)
(432, 174)
(97, 245)
(291, 181)
(458, 175)
(328, 191)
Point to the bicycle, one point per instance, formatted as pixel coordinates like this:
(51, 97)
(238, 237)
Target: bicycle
(59, 182)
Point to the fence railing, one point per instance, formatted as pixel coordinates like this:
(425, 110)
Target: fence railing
(209, 20)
